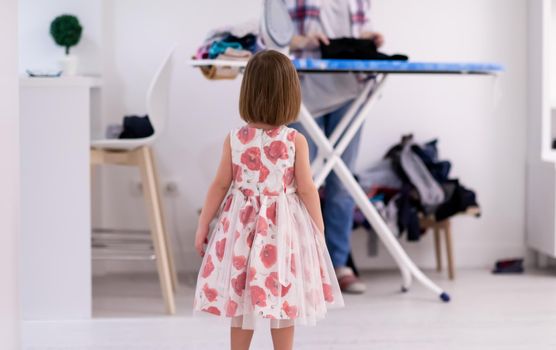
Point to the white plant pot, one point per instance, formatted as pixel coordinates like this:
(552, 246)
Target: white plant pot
(68, 65)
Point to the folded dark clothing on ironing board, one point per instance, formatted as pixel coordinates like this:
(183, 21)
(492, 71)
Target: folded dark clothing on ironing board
(356, 49)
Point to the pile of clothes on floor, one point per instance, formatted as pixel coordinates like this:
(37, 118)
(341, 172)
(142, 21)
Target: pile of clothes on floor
(231, 43)
(410, 183)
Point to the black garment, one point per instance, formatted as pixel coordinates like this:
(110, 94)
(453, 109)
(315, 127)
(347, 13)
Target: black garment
(408, 213)
(460, 200)
(136, 127)
(356, 49)
(247, 42)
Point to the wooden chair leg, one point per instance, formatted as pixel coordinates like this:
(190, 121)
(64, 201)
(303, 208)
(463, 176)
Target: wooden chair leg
(438, 251)
(151, 194)
(449, 250)
(167, 240)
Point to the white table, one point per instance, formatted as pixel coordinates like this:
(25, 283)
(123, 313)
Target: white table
(331, 149)
(55, 244)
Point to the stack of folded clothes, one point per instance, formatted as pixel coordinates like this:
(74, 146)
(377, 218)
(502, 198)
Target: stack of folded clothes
(230, 44)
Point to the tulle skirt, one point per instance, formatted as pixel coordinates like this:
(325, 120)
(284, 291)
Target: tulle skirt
(266, 259)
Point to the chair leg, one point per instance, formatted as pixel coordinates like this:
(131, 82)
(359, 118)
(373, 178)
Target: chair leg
(157, 228)
(449, 250)
(438, 251)
(167, 241)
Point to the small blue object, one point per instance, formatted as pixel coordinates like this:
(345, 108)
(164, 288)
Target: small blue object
(219, 47)
(445, 297)
(375, 66)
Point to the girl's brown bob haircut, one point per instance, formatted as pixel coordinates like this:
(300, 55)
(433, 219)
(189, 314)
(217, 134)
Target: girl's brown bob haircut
(270, 91)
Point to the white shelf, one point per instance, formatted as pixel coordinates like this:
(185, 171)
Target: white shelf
(77, 81)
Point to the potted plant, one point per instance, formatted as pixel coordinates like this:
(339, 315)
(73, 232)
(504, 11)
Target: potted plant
(66, 32)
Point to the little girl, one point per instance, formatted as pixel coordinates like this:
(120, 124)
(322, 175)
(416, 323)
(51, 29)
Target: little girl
(266, 257)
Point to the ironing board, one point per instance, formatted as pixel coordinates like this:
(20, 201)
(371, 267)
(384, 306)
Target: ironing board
(330, 149)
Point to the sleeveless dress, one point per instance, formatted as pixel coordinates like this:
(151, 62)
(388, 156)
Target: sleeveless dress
(265, 258)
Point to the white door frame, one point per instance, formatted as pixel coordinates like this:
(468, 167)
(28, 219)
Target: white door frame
(9, 175)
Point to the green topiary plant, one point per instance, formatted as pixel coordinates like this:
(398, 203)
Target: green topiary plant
(66, 31)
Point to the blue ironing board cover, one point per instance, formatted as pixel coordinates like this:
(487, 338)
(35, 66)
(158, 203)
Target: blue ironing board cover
(403, 67)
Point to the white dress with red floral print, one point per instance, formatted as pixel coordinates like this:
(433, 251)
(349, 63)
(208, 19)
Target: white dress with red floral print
(265, 257)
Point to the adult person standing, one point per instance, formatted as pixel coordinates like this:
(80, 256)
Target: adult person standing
(328, 97)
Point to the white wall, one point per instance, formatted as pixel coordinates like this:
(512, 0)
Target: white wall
(37, 48)
(9, 176)
(482, 134)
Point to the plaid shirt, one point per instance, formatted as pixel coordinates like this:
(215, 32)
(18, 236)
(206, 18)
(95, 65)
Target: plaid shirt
(304, 11)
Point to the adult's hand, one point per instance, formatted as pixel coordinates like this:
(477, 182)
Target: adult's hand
(308, 42)
(377, 37)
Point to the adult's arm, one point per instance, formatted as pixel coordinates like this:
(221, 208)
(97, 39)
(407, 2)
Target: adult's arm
(308, 42)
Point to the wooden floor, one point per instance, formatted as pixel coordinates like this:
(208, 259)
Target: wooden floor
(487, 312)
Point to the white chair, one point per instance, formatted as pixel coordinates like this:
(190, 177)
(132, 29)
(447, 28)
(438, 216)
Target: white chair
(138, 153)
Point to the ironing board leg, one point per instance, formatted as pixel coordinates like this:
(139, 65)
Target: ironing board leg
(351, 113)
(407, 267)
(400, 256)
(355, 124)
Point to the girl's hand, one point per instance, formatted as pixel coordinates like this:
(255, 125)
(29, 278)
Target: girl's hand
(377, 37)
(201, 239)
(309, 42)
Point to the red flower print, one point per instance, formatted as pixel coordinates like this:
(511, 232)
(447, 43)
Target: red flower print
(258, 296)
(262, 226)
(225, 224)
(220, 245)
(277, 150)
(268, 192)
(210, 293)
(290, 310)
(246, 134)
(292, 264)
(247, 192)
(285, 290)
(273, 132)
(239, 261)
(327, 291)
(237, 234)
(268, 255)
(252, 273)
(271, 283)
(228, 202)
(208, 268)
(238, 283)
(231, 308)
(251, 158)
(247, 214)
(288, 177)
(263, 173)
(291, 135)
(236, 173)
(213, 310)
(271, 213)
(250, 238)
